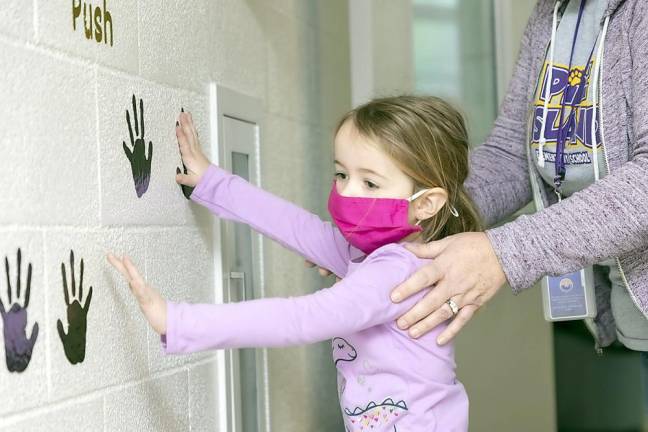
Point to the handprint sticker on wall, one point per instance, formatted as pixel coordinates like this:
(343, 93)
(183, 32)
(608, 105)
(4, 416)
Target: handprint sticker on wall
(74, 342)
(18, 349)
(186, 190)
(140, 163)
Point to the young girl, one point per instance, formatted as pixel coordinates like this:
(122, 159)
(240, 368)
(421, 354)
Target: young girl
(400, 167)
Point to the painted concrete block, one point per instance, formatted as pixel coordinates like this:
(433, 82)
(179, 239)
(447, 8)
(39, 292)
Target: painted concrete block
(157, 405)
(48, 169)
(178, 264)
(77, 416)
(148, 193)
(175, 42)
(332, 89)
(291, 54)
(115, 338)
(26, 389)
(112, 30)
(234, 61)
(329, 16)
(332, 17)
(203, 397)
(17, 18)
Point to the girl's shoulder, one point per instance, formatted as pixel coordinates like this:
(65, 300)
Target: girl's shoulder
(395, 252)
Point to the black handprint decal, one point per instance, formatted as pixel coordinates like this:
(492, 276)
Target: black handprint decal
(74, 342)
(18, 349)
(186, 190)
(140, 164)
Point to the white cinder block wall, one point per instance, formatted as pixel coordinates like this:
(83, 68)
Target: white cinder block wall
(66, 185)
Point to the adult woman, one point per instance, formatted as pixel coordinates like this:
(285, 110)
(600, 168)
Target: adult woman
(601, 112)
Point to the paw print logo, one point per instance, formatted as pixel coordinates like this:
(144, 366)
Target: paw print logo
(575, 77)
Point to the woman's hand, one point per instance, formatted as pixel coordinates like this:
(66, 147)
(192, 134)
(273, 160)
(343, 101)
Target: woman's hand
(150, 301)
(192, 155)
(464, 269)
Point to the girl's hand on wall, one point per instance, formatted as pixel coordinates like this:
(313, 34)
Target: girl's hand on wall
(150, 301)
(464, 269)
(192, 155)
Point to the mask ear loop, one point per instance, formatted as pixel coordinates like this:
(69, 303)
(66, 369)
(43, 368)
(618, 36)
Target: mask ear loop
(415, 196)
(453, 210)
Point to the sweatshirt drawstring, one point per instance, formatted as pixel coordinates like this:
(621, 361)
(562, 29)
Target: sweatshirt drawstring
(547, 94)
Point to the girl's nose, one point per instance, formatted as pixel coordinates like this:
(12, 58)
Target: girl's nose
(348, 189)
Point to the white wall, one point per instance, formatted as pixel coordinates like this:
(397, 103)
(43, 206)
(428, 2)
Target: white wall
(510, 21)
(381, 48)
(65, 184)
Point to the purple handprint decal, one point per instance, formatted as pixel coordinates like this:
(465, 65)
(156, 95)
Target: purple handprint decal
(186, 190)
(18, 349)
(140, 163)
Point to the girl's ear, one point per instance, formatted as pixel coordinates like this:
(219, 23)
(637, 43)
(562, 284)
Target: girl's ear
(429, 204)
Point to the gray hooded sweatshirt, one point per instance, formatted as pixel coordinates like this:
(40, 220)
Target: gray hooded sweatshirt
(608, 219)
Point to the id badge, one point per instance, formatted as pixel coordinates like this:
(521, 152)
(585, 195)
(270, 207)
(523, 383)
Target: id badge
(570, 296)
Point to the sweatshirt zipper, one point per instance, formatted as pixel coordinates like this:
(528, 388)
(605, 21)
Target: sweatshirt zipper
(607, 170)
(591, 326)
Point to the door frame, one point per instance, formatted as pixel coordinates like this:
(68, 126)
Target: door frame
(227, 103)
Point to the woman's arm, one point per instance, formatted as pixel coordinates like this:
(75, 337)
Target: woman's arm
(607, 219)
(359, 301)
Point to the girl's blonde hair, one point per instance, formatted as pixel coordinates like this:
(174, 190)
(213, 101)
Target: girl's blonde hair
(427, 138)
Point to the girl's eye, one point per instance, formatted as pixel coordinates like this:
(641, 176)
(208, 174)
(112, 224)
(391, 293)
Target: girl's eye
(340, 176)
(371, 185)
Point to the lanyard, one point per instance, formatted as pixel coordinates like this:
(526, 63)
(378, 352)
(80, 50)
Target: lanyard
(566, 129)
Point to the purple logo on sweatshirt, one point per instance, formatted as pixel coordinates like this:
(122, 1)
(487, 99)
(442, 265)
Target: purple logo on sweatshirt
(566, 90)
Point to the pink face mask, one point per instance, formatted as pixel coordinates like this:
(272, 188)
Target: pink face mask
(369, 223)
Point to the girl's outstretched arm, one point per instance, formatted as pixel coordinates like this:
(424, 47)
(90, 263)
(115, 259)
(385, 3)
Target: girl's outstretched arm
(231, 197)
(359, 301)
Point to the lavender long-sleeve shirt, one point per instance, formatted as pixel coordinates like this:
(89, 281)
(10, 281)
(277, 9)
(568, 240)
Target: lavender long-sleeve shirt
(386, 380)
